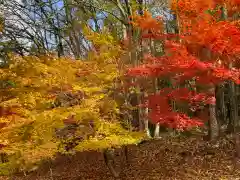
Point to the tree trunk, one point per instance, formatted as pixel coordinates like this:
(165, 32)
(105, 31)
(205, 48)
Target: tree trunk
(213, 132)
(233, 104)
(59, 45)
(157, 131)
(73, 35)
(220, 103)
(110, 162)
(213, 123)
(146, 128)
(157, 127)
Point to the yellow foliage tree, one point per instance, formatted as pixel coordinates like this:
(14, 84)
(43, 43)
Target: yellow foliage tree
(43, 97)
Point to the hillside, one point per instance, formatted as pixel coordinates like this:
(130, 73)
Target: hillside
(171, 158)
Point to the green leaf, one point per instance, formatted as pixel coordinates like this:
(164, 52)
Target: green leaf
(11, 83)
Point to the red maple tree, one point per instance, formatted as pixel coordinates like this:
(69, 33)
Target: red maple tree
(183, 58)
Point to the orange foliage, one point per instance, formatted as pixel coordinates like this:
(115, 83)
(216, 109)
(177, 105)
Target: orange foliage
(200, 30)
(149, 23)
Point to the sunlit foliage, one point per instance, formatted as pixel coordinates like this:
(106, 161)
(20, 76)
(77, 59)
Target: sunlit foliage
(50, 105)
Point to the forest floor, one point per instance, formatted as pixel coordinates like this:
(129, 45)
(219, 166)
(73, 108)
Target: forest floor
(182, 158)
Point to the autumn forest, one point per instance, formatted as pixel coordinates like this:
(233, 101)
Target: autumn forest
(119, 89)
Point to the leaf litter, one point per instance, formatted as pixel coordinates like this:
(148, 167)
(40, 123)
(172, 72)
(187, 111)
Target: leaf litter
(180, 158)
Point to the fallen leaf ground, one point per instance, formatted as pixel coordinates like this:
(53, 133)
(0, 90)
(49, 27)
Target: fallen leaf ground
(167, 158)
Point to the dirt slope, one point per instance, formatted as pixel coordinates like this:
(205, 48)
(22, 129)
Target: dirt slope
(178, 158)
